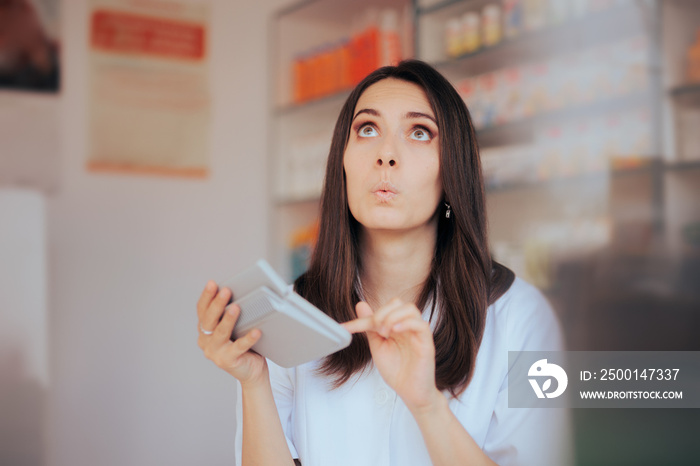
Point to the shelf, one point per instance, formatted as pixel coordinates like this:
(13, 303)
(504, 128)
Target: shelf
(329, 100)
(610, 25)
(644, 168)
(648, 167)
(298, 201)
(426, 10)
(683, 165)
(545, 184)
(333, 12)
(523, 130)
(640, 167)
(687, 94)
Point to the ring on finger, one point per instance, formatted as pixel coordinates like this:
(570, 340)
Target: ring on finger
(205, 332)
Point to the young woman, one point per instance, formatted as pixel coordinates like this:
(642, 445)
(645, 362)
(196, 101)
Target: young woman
(402, 260)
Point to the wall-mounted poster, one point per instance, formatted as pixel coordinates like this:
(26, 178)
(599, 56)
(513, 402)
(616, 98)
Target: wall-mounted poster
(29, 47)
(149, 87)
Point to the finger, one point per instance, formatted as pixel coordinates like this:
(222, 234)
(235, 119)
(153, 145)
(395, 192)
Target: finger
(381, 314)
(215, 310)
(246, 342)
(371, 321)
(406, 311)
(227, 355)
(363, 324)
(411, 325)
(206, 297)
(224, 329)
(363, 309)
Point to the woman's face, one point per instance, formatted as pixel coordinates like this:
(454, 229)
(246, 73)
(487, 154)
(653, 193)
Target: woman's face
(392, 159)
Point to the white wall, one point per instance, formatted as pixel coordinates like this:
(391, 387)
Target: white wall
(129, 255)
(23, 278)
(23, 329)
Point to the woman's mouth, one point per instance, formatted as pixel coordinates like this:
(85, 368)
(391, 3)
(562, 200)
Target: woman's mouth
(384, 196)
(384, 191)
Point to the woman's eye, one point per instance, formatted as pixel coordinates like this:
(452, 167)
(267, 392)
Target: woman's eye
(421, 135)
(368, 131)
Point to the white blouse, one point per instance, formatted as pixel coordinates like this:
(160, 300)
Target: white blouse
(364, 422)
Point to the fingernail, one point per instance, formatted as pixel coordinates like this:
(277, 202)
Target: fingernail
(211, 285)
(232, 309)
(397, 327)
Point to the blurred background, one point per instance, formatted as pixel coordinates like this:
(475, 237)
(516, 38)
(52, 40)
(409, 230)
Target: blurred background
(147, 146)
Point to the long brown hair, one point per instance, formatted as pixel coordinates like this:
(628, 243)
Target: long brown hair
(463, 279)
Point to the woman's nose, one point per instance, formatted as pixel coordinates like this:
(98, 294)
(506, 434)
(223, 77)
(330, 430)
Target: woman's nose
(386, 159)
(387, 153)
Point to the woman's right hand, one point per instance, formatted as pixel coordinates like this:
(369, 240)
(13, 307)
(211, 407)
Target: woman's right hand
(234, 357)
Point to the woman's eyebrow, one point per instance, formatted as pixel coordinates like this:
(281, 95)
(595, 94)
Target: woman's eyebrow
(420, 115)
(409, 115)
(369, 111)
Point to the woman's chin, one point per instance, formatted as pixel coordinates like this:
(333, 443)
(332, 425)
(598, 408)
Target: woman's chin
(389, 224)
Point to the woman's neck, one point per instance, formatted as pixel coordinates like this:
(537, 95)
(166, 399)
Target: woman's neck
(396, 264)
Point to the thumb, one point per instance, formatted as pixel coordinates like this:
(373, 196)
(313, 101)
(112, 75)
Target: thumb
(366, 314)
(363, 310)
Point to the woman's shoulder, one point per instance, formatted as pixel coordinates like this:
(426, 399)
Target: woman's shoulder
(528, 319)
(521, 293)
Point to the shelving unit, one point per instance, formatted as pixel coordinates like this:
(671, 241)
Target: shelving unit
(547, 209)
(682, 166)
(681, 178)
(302, 131)
(685, 104)
(522, 130)
(575, 33)
(642, 176)
(644, 168)
(687, 94)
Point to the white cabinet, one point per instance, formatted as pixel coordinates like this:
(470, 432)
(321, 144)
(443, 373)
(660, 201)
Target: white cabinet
(562, 95)
(681, 195)
(319, 50)
(578, 108)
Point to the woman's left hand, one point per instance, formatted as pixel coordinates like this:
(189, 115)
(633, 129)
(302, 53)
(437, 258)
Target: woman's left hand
(402, 349)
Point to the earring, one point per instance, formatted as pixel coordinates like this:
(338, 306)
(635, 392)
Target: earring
(449, 211)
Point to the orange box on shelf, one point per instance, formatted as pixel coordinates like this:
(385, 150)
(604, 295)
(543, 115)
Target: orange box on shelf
(694, 61)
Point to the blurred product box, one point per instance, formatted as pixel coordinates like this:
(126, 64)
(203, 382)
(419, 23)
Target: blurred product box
(453, 37)
(693, 73)
(592, 75)
(535, 14)
(573, 148)
(330, 68)
(301, 245)
(509, 98)
(507, 19)
(306, 165)
(507, 165)
(488, 92)
(491, 25)
(471, 32)
(512, 18)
